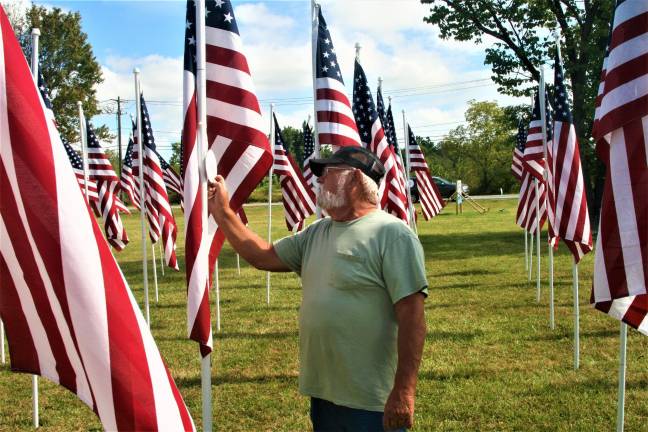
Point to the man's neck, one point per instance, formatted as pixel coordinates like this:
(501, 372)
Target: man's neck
(349, 213)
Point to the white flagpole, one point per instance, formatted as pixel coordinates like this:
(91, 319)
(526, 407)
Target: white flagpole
(2, 338)
(201, 99)
(407, 173)
(34, 64)
(316, 151)
(238, 264)
(530, 254)
(543, 120)
(623, 339)
(576, 317)
(217, 290)
(84, 149)
(526, 251)
(537, 202)
(161, 258)
(272, 146)
(154, 271)
(138, 109)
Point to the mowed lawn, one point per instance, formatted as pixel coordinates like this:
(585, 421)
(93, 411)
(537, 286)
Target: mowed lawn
(491, 362)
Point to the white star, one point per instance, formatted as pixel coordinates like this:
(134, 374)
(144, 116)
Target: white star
(325, 69)
(332, 64)
(219, 3)
(207, 12)
(325, 54)
(192, 41)
(327, 41)
(228, 17)
(188, 24)
(339, 74)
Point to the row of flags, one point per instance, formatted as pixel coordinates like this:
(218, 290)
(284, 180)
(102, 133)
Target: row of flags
(620, 286)
(72, 310)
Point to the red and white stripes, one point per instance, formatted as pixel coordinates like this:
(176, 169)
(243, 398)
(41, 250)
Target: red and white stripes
(68, 311)
(621, 130)
(431, 201)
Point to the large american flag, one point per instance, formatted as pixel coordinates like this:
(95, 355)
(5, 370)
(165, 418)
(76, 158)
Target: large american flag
(621, 261)
(335, 121)
(156, 202)
(236, 136)
(518, 151)
(431, 201)
(109, 205)
(393, 195)
(128, 182)
(75, 159)
(297, 196)
(309, 153)
(68, 311)
(567, 201)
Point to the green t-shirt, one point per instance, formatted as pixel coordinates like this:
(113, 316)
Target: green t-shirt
(352, 274)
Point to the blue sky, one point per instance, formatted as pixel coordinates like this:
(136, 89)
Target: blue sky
(431, 79)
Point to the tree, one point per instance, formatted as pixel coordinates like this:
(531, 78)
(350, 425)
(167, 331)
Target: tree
(479, 152)
(67, 64)
(176, 158)
(294, 142)
(522, 31)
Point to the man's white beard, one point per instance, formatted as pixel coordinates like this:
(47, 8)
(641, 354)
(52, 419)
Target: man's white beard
(333, 200)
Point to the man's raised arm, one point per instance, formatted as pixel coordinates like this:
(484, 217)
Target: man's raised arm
(245, 242)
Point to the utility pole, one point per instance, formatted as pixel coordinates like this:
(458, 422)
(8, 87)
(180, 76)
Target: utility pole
(119, 142)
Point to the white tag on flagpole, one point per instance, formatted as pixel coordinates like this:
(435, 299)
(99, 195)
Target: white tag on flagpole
(211, 166)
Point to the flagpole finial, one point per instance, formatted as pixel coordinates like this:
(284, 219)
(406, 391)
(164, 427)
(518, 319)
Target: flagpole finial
(136, 71)
(380, 80)
(35, 31)
(357, 48)
(389, 99)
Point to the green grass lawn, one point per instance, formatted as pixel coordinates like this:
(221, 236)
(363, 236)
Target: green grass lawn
(490, 361)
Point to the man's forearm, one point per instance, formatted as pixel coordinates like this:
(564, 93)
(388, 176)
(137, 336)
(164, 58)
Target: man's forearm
(411, 337)
(247, 243)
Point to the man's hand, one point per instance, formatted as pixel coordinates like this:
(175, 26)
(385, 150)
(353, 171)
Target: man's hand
(399, 410)
(217, 198)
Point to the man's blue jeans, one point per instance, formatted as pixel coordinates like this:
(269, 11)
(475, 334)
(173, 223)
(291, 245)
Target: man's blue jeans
(328, 417)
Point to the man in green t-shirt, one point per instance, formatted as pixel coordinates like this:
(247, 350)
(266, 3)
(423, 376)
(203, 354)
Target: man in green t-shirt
(361, 320)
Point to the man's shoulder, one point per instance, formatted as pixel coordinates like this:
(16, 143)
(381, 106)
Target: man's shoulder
(390, 225)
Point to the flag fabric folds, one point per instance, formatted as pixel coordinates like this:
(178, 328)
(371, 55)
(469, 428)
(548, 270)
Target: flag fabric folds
(534, 157)
(171, 178)
(335, 121)
(392, 192)
(518, 151)
(298, 198)
(309, 153)
(567, 201)
(156, 202)
(109, 205)
(621, 132)
(80, 329)
(75, 159)
(235, 135)
(429, 195)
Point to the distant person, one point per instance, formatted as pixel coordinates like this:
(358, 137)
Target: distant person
(361, 320)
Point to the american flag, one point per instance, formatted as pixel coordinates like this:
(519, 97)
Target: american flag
(128, 182)
(335, 121)
(567, 200)
(235, 133)
(393, 195)
(431, 201)
(68, 311)
(518, 151)
(309, 153)
(526, 216)
(109, 205)
(534, 157)
(158, 210)
(621, 263)
(171, 179)
(75, 160)
(298, 198)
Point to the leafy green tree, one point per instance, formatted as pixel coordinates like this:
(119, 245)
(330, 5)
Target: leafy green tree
(176, 158)
(523, 43)
(67, 64)
(294, 141)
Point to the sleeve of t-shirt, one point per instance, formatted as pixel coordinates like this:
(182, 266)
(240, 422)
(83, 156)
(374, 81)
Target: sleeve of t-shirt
(404, 268)
(290, 250)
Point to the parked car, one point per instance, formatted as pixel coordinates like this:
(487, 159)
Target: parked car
(446, 188)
